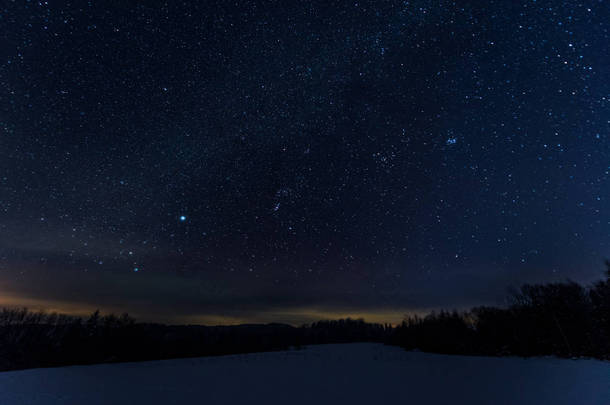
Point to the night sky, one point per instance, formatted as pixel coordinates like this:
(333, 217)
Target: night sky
(289, 161)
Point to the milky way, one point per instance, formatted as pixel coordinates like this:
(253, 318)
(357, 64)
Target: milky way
(285, 161)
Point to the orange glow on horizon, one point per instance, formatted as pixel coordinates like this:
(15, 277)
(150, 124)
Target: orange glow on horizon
(292, 316)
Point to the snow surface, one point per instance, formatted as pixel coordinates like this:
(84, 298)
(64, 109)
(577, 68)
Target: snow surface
(327, 374)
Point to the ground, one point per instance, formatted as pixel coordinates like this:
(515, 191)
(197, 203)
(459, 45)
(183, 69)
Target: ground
(326, 374)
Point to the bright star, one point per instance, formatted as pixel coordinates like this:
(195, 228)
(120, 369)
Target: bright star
(182, 218)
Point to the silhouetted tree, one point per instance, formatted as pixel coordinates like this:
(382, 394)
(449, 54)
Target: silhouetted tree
(600, 298)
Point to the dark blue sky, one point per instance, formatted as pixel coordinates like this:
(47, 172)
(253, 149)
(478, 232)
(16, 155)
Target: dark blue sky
(254, 161)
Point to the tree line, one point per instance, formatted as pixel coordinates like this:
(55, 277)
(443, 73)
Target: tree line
(34, 339)
(563, 319)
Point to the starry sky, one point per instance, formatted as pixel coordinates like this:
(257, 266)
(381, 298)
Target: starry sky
(224, 162)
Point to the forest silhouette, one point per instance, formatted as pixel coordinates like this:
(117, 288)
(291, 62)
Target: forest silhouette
(564, 319)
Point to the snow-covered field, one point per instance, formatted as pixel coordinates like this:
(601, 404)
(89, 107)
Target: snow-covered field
(327, 374)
